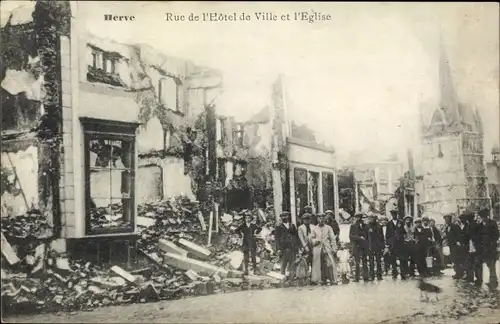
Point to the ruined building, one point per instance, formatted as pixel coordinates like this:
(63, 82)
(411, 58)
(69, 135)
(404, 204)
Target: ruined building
(91, 128)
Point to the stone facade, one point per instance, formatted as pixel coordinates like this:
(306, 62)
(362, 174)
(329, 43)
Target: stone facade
(454, 175)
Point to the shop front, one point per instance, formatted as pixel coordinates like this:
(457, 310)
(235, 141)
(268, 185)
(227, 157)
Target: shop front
(313, 178)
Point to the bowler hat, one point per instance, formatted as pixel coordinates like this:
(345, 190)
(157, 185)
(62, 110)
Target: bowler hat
(418, 220)
(425, 218)
(448, 215)
(329, 212)
(406, 217)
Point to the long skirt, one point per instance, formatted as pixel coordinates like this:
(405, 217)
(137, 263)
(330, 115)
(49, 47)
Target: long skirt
(328, 272)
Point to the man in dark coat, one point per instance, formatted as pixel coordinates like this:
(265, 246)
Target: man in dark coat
(358, 238)
(489, 237)
(474, 266)
(248, 230)
(462, 247)
(394, 241)
(435, 242)
(376, 244)
(330, 220)
(287, 244)
(422, 247)
(450, 237)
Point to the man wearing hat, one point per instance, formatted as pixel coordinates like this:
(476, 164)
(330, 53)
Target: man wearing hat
(386, 255)
(450, 232)
(287, 244)
(358, 238)
(422, 247)
(394, 241)
(409, 249)
(248, 231)
(332, 222)
(473, 260)
(376, 244)
(489, 234)
(304, 236)
(461, 242)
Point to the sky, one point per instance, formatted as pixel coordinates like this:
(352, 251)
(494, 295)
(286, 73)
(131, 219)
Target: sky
(364, 80)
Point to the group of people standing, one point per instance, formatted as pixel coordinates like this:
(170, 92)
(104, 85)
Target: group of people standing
(379, 244)
(316, 241)
(472, 240)
(410, 241)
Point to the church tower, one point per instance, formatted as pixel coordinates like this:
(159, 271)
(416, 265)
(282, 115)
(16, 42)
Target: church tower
(452, 152)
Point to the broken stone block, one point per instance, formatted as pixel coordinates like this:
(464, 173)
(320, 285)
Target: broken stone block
(124, 274)
(63, 264)
(145, 221)
(111, 282)
(234, 281)
(236, 258)
(186, 263)
(8, 252)
(58, 245)
(96, 290)
(276, 275)
(168, 246)
(195, 249)
(192, 275)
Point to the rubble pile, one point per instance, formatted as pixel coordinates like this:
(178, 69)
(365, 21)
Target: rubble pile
(33, 225)
(178, 262)
(170, 219)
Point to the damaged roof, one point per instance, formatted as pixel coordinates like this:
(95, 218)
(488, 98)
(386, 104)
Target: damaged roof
(14, 14)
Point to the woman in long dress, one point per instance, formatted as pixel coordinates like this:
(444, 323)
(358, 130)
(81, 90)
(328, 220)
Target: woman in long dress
(323, 239)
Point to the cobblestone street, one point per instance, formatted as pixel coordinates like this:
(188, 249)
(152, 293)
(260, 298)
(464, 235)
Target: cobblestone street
(386, 301)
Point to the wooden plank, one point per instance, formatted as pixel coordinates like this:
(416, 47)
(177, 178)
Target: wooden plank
(8, 252)
(200, 267)
(195, 249)
(122, 273)
(168, 246)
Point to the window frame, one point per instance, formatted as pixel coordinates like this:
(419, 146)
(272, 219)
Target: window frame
(177, 83)
(109, 130)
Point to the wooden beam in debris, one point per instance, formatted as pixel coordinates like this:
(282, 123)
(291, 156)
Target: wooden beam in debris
(195, 249)
(210, 225)
(200, 267)
(8, 252)
(168, 246)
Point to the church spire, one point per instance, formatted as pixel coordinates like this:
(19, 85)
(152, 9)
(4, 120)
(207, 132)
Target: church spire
(448, 102)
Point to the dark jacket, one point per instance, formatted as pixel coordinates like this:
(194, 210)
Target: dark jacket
(333, 224)
(375, 237)
(450, 234)
(394, 234)
(489, 236)
(358, 238)
(437, 234)
(249, 239)
(460, 236)
(287, 238)
(474, 230)
(423, 236)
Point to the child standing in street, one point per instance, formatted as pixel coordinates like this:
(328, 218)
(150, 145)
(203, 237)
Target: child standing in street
(343, 255)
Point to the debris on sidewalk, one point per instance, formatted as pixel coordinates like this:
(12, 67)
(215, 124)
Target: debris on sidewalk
(39, 276)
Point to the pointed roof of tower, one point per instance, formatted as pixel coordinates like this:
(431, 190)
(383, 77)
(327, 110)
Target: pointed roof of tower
(448, 102)
(450, 115)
